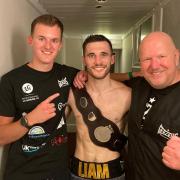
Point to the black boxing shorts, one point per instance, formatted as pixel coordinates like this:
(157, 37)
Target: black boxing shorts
(94, 170)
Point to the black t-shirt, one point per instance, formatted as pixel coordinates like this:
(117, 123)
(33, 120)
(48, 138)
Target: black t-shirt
(42, 152)
(146, 142)
(155, 95)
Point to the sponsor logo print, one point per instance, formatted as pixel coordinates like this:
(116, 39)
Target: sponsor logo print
(62, 122)
(63, 82)
(30, 149)
(27, 88)
(58, 140)
(61, 106)
(30, 98)
(165, 132)
(37, 132)
(148, 106)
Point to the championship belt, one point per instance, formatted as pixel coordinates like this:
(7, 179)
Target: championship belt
(102, 131)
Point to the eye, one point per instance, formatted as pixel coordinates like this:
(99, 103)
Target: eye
(41, 38)
(147, 59)
(104, 54)
(161, 56)
(55, 40)
(91, 55)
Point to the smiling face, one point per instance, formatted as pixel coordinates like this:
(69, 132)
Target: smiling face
(98, 59)
(46, 43)
(159, 60)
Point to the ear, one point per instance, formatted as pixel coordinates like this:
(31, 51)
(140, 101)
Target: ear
(177, 55)
(113, 58)
(83, 61)
(61, 45)
(29, 40)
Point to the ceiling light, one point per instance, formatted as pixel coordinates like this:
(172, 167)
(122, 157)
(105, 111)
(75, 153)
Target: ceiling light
(98, 6)
(101, 1)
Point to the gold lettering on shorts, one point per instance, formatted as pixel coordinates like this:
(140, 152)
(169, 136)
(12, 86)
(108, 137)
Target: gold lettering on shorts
(102, 171)
(80, 170)
(85, 169)
(93, 170)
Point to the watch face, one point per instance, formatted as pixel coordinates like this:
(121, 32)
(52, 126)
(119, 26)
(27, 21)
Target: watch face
(24, 122)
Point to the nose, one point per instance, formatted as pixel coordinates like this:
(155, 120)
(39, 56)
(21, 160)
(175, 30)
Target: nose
(155, 63)
(97, 60)
(47, 44)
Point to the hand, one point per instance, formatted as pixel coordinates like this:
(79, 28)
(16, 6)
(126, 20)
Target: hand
(43, 112)
(80, 79)
(171, 153)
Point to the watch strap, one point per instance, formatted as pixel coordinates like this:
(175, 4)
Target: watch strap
(24, 122)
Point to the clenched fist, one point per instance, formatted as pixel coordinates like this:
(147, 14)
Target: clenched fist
(171, 153)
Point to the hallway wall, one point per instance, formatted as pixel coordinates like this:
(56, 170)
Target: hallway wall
(15, 18)
(165, 17)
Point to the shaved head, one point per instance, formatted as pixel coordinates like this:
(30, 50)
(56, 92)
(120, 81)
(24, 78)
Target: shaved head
(154, 37)
(159, 60)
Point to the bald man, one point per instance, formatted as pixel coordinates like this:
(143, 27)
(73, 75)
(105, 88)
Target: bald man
(154, 118)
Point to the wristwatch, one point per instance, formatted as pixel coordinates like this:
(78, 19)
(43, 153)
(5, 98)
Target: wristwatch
(24, 122)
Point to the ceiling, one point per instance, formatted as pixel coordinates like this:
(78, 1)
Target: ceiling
(82, 17)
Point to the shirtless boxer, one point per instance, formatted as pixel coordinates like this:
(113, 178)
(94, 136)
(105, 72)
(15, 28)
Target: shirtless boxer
(99, 138)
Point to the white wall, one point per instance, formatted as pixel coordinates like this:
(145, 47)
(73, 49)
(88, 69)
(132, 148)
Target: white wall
(73, 51)
(127, 53)
(166, 18)
(171, 20)
(129, 44)
(15, 19)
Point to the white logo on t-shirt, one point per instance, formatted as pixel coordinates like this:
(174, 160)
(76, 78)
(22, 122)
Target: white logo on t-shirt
(62, 122)
(63, 83)
(61, 106)
(165, 132)
(27, 88)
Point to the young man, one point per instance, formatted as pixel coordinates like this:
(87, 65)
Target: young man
(99, 138)
(34, 126)
(153, 120)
